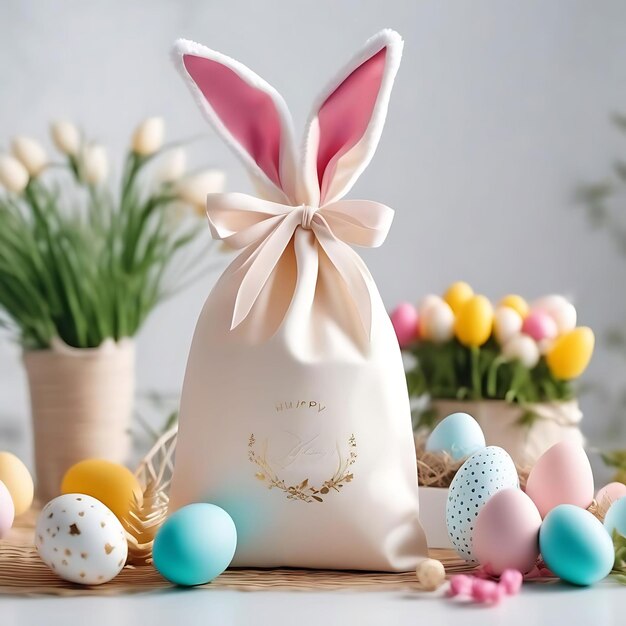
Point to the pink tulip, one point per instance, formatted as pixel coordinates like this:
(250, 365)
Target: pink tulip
(540, 325)
(405, 322)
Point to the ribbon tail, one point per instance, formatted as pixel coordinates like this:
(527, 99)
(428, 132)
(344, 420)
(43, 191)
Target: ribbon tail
(351, 269)
(262, 264)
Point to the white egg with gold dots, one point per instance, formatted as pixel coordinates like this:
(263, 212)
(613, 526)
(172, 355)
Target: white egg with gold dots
(81, 540)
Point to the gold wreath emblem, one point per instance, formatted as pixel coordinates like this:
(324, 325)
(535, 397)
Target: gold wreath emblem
(305, 491)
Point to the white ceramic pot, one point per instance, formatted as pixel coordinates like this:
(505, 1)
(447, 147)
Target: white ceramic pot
(81, 407)
(504, 425)
(433, 516)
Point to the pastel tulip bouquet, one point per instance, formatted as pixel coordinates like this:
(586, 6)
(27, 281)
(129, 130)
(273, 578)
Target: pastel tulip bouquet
(466, 349)
(81, 263)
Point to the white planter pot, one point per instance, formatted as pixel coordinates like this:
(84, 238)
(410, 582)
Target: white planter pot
(433, 516)
(502, 425)
(81, 407)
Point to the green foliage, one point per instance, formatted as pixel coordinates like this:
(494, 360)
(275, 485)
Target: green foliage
(454, 372)
(83, 266)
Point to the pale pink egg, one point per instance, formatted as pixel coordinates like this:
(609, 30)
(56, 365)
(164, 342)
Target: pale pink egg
(405, 322)
(7, 510)
(561, 475)
(611, 493)
(506, 532)
(540, 325)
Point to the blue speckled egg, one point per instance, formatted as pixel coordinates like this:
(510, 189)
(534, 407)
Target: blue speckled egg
(575, 545)
(458, 434)
(195, 544)
(485, 473)
(615, 518)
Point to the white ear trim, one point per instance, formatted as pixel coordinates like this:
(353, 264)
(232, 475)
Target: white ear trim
(184, 47)
(361, 154)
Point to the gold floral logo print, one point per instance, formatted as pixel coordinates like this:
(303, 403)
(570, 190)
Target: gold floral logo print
(304, 491)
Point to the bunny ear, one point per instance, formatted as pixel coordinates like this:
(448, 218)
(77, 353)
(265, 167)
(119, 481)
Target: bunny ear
(248, 113)
(345, 126)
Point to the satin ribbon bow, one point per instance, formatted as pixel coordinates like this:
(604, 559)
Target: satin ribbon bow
(241, 220)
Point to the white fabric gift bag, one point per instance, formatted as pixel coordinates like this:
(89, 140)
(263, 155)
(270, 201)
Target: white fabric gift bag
(295, 416)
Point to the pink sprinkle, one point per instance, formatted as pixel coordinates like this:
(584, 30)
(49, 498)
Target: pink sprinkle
(460, 585)
(511, 581)
(486, 591)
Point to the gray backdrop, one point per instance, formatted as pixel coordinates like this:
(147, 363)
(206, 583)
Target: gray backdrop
(500, 109)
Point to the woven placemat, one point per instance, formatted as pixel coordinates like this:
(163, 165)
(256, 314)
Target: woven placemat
(23, 573)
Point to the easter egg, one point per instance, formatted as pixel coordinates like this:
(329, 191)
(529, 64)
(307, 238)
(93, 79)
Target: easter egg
(485, 473)
(436, 322)
(457, 295)
(516, 303)
(575, 546)
(113, 484)
(561, 475)
(7, 511)
(570, 353)
(404, 319)
(81, 540)
(195, 544)
(457, 434)
(507, 323)
(560, 309)
(539, 325)
(474, 322)
(506, 532)
(610, 493)
(615, 518)
(522, 348)
(17, 479)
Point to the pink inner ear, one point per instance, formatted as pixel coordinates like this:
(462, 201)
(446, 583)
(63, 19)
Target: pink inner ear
(345, 116)
(248, 113)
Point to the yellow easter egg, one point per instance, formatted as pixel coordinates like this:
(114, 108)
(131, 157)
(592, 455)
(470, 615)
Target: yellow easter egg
(457, 295)
(17, 479)
(474, 322)
(570, 353)
(516, 303)
(113, 484)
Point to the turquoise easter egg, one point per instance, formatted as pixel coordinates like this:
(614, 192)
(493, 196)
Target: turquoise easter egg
(575, 545)
(615, 518)
(458, 434)
(195, 544)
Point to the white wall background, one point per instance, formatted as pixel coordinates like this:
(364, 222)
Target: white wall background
(500, 109)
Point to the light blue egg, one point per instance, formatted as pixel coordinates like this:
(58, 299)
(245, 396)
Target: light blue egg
(575, 545)
(615, 518)
(458, 434)
(195, 544)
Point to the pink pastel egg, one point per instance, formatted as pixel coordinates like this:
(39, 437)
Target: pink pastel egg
(506, 532)
(611, 493)
(7, 510)
(405, 322)
(561, 475)
(540, 325)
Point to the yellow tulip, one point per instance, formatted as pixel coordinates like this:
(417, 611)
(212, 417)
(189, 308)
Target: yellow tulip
(457, 295)
(517, 303)
(570, 353)
(474, 322)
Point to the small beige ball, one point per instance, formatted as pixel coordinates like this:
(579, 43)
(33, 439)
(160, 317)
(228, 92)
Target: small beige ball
(430, 574)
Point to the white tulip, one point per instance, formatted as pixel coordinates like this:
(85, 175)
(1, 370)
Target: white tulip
(194, 189)
(436, 322)
(95, 164)
(560, 310)
(427, 301)
(148, 136)
(173, 165)
(66, 137)
(522, 348)
(507, 323)
(13, 175)
(31, 154)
